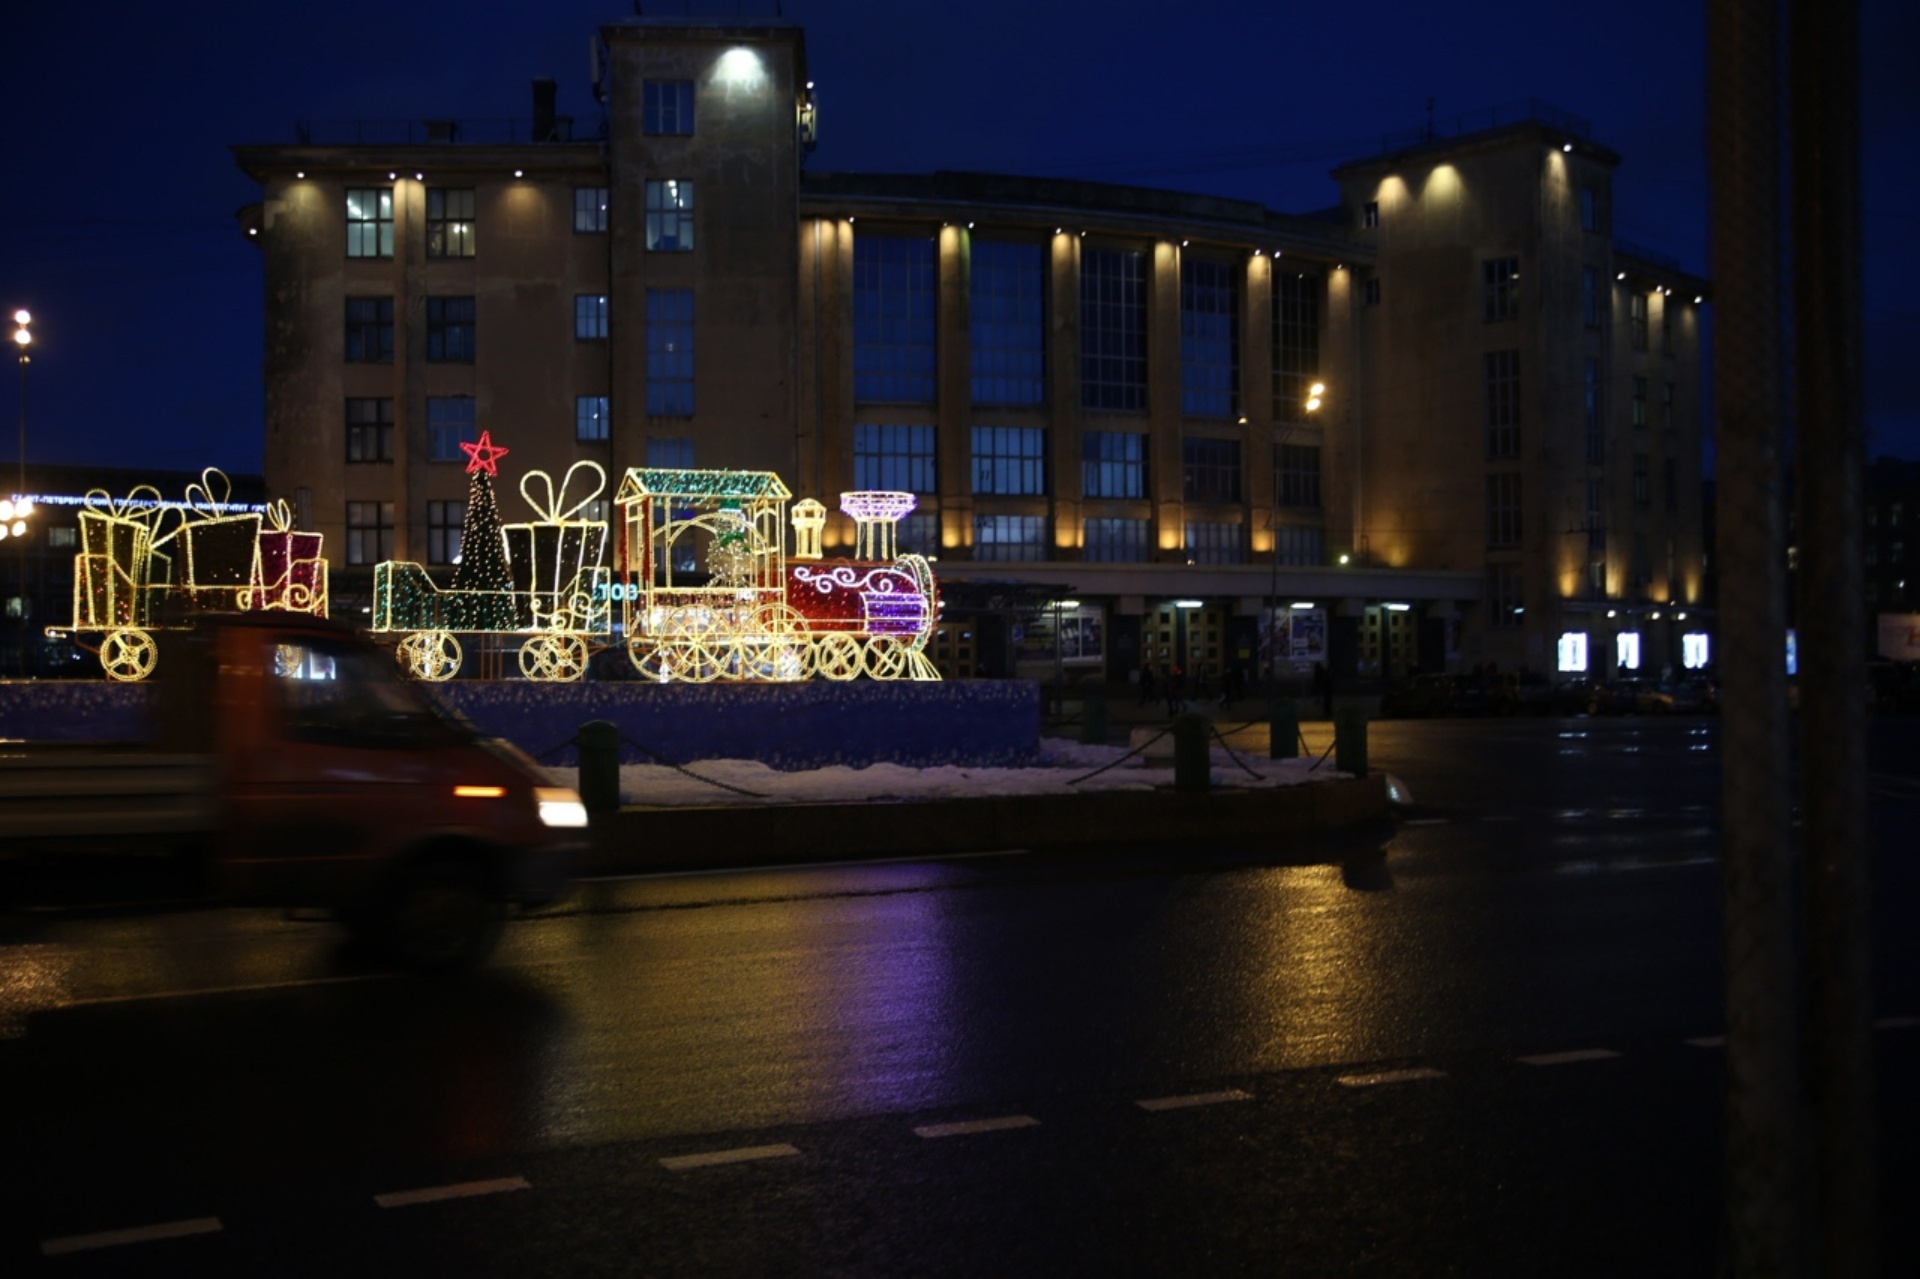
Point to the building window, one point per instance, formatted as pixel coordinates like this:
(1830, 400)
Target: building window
(1296, 342)
(668, 107)
(670, 352)
(896, 458)
(369, 430)
(1296, 474)
(1208, 542)
(444, 520)
(919, 534)
(1209, 339)
(450, 423)
(590, 418)
(370, 330)
(450, 331)
(1505, 603)
(1642, 567)
(1210, 470)
(1589, 208)
(1670, 484)
(1113, 464)
(1008, 323)
(1009, 537)
(1666, 406)
(669, 215)
(1010, 460)
(1299, 545)
(1595, 422)
(1499, 289)
(1596, 534)
(1503, 509)
(1117, 541)
(1113, 330)
(1642, 496)
(1503, 403)
(369, 532)
(1370, 291)
(895, 337)
(370, 222)
(1590, 296)
(1639, 401)
(449, 222)
(590, 210)
(1370, 214)
(1637, 320)
(670, 453)
(1666, 326)
(589, 316)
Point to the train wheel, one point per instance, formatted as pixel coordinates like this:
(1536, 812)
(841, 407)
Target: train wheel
(554, 659)
(430, 655)
(775, 645)
(886, 657)
(836, 656)
(128, 655)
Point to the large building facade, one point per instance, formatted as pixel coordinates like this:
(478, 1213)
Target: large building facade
(1452, 421)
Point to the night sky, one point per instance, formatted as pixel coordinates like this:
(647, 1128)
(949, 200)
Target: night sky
(118, 218)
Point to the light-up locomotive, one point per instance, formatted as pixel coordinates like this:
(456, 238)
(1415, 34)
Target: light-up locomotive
(700, 583)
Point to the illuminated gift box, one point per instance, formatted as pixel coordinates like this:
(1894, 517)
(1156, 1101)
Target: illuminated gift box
(555, 560)
(116, 560)
(293, 574)
(218, 555)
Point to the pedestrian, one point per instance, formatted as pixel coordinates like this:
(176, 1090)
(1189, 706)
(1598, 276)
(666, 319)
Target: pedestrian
(1146, 682)
(1176, 686)
(1323, 688)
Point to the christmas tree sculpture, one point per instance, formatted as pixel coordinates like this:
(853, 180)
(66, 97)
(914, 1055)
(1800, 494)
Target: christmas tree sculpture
(483, 558)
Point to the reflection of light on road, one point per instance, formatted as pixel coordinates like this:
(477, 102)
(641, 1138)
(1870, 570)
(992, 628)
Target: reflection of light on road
(32, 979)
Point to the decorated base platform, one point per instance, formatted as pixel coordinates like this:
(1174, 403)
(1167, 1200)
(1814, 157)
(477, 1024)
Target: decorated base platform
(815, 724)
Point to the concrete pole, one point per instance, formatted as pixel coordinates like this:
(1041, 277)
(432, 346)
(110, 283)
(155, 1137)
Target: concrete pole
(1765, 1208)
(1829, 467)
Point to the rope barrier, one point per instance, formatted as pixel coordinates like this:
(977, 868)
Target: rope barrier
(664, 762)
(1075, 781)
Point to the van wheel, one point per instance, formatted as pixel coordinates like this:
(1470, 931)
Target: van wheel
(441, 919)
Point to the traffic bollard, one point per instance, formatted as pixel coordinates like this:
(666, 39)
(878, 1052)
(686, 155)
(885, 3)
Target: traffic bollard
(599, 745)
(1192, 752)
(1350, 739)
(1093, 720)
(1283, 729)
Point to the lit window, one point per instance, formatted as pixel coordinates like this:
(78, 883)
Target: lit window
(1009, 537)
(1010, 460)
(370, 222)
(589, 417)
(449, 223)
(444, 522)
(670, 216)
(589, 316)
(1113, 464)
(590, 209)
(1626, 650)
(1573, 652)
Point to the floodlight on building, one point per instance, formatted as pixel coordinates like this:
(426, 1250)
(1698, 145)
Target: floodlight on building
(1621, 276)
(1345, 558)
(1613, 612)
(300, 175)
(1698, 299)
(1396, 608)
(519, 173)
(1305, 603)
(1566, 146)
(419, 177)
(1189, 604)
(969, 226)
(1183, 244)
(393, 177)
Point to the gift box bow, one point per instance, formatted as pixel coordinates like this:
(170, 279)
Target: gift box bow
(551, 506)
(139, 504)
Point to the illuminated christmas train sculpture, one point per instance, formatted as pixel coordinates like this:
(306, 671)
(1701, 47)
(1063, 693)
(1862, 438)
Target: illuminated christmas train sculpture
(701, 579)
(135, 575)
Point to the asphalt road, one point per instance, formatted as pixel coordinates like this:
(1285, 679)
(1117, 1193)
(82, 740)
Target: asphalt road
(1487, 1049)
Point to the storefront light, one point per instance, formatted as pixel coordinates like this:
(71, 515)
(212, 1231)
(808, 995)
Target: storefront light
(1694, 650)
(1572, 652)
(1626, 650)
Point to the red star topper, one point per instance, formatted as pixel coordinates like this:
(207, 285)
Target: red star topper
(483, 455)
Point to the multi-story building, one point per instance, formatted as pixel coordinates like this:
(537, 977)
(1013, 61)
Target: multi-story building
(1453, 421)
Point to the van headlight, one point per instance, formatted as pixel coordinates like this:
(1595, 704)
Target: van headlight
(559, 806)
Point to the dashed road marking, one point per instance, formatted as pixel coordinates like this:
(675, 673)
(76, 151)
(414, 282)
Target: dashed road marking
(137, 1234)
(1896, 1023)
(1568, 1058)
(967, 1128)
(1194, 1099)
(1709, 1041)
(460, 1190)
(1391, 1077)
(738, 1155)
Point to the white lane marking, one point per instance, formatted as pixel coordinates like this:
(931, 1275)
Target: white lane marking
(137, 1234)
(1896, 1023)
(1426, 821)
(1568, 1058)
(1390, 1077)
(738, 1155)
(1709, 1041)
(224, 990)
(1194, 1099)
(971, 1126)
(459, 1190)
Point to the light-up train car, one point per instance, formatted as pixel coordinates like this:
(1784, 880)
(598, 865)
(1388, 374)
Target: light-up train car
(708, 592)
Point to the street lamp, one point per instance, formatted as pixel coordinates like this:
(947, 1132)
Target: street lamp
(14, 520)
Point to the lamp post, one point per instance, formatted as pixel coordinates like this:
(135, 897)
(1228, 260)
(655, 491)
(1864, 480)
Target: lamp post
(1316, 393)
(14, 513)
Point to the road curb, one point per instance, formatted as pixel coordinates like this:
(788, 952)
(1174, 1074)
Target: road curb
(640, 839)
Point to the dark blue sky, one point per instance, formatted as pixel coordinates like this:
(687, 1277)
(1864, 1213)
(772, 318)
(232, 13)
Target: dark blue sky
(117, 228)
